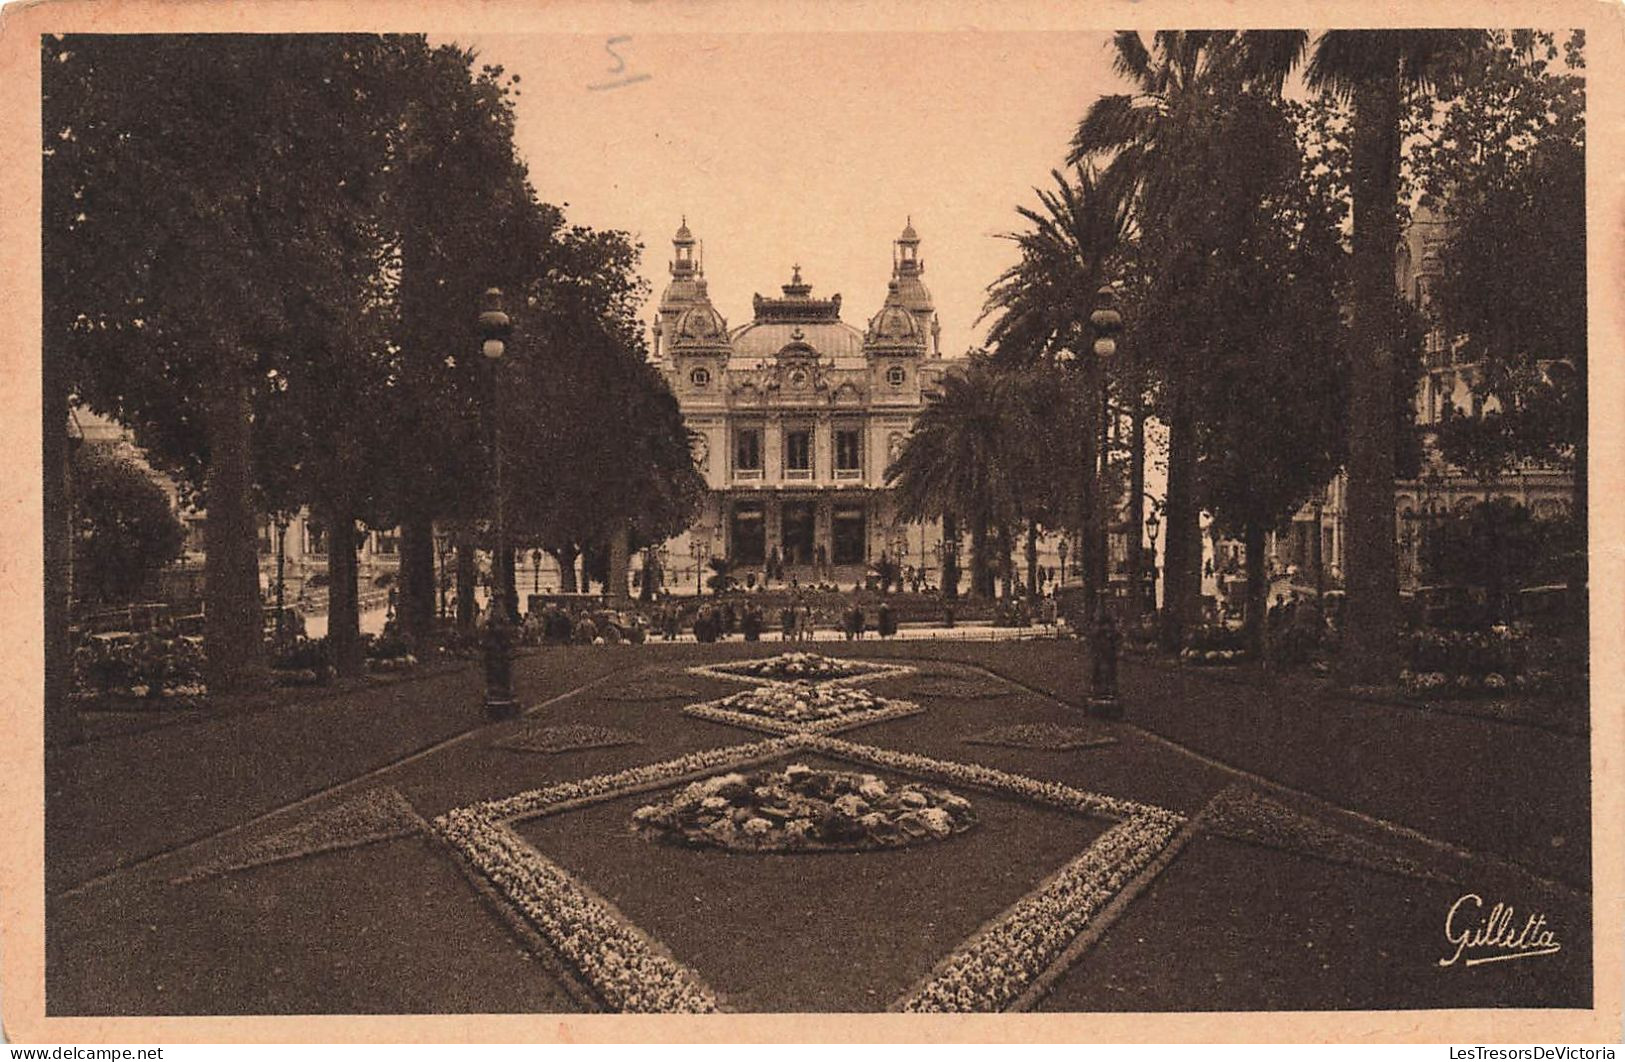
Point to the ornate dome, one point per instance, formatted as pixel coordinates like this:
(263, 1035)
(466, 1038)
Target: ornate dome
(797, 325)
(894, 325)
(701, 325)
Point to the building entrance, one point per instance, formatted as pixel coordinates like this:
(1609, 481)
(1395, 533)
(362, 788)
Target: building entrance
(797, 521)
(849, 532)
(748, 534)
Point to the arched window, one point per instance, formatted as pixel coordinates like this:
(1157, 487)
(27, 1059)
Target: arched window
(700, 376)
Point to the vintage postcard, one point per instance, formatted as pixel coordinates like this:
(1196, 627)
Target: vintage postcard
(656, 520)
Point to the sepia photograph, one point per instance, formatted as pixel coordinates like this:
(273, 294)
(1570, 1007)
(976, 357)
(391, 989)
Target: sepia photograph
(741, 517)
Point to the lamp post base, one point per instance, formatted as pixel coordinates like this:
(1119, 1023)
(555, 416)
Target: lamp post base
(1104, 707)
(498, 707)
(499, 699)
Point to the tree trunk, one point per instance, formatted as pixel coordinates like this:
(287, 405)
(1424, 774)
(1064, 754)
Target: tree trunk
(1136, 508)
(566, 559)
(466, 580)
(1032, 558)
(620, 560)
(415, 606)
(62, 723)
(1182, 556)
(950, 557)
(981, 575)
(507, 568)
(1370, 649)
(233, 638)
(1007, 562)
(1258, 591)
(343, 600)
(651, 573)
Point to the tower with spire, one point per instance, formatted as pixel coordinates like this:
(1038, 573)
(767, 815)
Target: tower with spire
(685, 291)
(907, 268)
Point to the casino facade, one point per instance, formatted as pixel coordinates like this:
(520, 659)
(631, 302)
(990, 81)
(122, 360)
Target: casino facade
(795, 415)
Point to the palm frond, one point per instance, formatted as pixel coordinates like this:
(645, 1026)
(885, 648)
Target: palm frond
(1110, 124)
(1132, 59)
(1267, 57)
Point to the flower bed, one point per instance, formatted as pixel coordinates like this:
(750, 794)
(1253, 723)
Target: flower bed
(1049, 736)
(799, 667)
(150, 666)
(996, 967)
(800, 809)
(630, 972)
(375, 815)
(1214, 646)
(647, 691)
(571, 737)
(960, 689)
(1212, 657)
(1496, 662)
(1243, 814)
(786, 707)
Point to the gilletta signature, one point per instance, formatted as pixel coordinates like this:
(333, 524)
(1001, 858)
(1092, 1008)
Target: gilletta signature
(1495, 936)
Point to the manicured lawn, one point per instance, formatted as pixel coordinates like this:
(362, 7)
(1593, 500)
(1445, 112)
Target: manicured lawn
(828, 931)
(387, 928)
(398, 926)
(1236, 927)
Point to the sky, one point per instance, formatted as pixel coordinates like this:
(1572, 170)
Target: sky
(806, 148)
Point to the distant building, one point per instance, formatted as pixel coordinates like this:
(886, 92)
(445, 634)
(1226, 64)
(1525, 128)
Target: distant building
(303, 539)
(796, 414)
(1446, 390)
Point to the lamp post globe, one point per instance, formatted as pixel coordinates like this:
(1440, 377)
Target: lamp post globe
(494, 329)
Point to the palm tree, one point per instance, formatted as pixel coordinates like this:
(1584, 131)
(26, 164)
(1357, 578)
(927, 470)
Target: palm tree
(1375, 71)
(1173, 79)
(1041, 305)
(1075, 242)
(955, 462)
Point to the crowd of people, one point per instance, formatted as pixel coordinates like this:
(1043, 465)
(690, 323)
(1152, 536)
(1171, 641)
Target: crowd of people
(711, 620)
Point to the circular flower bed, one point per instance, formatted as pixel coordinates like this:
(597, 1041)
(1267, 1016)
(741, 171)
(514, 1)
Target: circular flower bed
(800, 809)
(805, 667)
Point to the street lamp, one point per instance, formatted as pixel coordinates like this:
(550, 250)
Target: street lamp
(699, 550)
(1104, 323)
(1153, 525)
(281, 573)
(494, 329)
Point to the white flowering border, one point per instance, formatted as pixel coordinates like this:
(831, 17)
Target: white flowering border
(993, 970)
(714, 712)
(872, 670)
(626, 969)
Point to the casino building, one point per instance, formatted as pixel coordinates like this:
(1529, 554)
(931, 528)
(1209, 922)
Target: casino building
(795, 415)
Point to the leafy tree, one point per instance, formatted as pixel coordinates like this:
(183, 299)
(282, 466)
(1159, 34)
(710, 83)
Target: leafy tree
(608, 469)
(462, 219)
(1148, 134)
(1374, 71)
(125, 528)
(1500, 547)
(1505, 160)
(1273, 395)
(191, 185)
